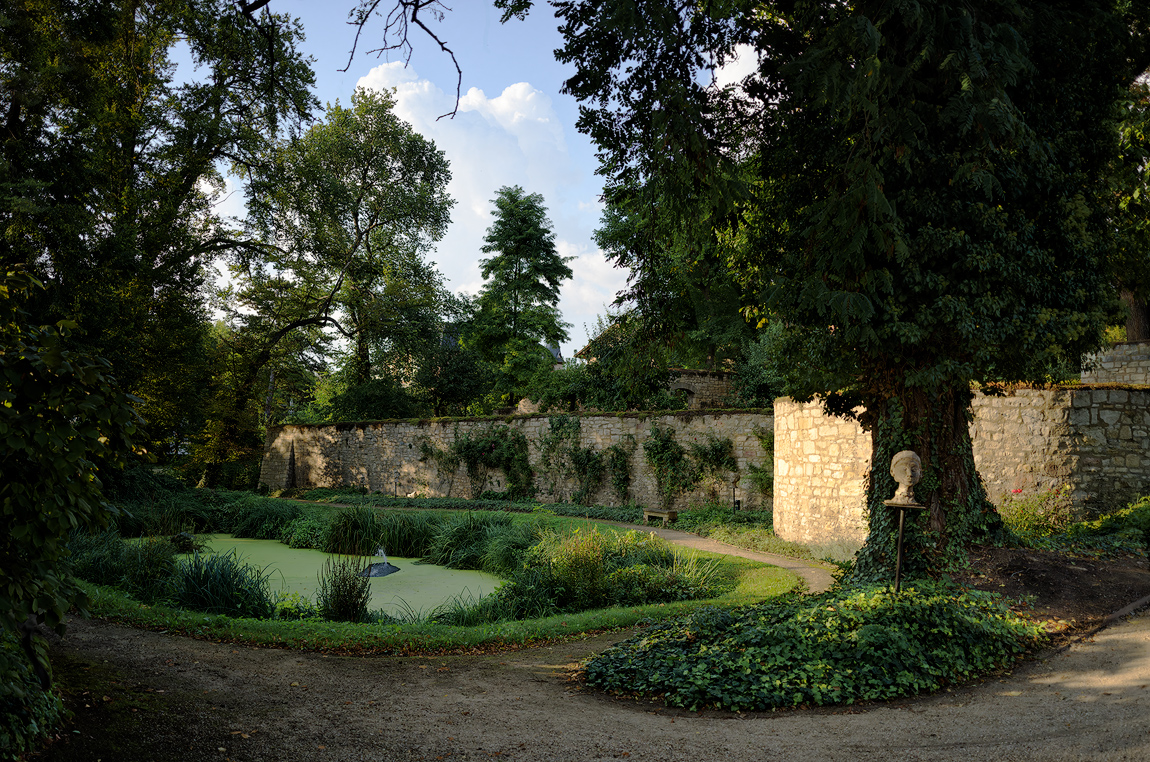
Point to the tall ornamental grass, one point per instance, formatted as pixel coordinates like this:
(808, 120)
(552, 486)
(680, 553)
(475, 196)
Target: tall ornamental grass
(221, 583)
(343, 595)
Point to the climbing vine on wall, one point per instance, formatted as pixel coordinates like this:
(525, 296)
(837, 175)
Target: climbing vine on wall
(618, 457)
(763, 477)
(715, 459)
(674, 472)
(678, 470)
(562, 457)
(497, 447)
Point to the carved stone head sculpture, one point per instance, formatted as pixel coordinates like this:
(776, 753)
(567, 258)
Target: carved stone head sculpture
(906, 468)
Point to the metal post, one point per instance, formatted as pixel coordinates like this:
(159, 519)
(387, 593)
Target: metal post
(898, 559)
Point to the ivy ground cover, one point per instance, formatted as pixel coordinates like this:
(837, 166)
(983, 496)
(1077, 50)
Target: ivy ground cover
(840, 647)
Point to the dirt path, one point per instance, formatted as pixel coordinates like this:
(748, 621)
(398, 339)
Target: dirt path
(173, 698)
(817, 576)
(149, 696)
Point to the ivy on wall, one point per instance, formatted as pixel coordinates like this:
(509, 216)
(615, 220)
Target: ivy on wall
(564, 458)
(763, 477)
(618, 458)
(678, 470)
(494, 448)
(715, 459)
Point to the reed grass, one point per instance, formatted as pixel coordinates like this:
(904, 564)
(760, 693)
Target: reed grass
(221, 583)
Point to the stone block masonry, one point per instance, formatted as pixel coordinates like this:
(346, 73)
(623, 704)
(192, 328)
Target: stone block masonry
(1095, 439)
(1125, 363)
(385, 456)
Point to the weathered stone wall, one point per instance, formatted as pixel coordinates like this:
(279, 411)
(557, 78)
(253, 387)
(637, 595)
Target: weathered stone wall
(821, 464)
(706, 389)
(385, 456)
(1125, 363)
(1097, 440)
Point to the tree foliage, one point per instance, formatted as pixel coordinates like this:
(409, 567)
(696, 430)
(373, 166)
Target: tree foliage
(918, 189)
(686, 302)
(110, 162)
(339, 219)
(63, 422)
(518, 304)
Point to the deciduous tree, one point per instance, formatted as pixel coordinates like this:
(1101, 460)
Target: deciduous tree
(338, 218)
(919, 188)
(109, 163)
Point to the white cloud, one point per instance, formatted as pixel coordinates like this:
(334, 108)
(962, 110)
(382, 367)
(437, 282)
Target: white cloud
(513, 138)
(746, 62)
(594, 286)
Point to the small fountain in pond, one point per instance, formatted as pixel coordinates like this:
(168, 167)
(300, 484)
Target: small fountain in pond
(379, 569)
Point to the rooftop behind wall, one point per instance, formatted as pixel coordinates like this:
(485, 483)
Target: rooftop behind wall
(1097, 440)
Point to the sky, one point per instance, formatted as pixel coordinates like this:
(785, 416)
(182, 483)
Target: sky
(514, 127)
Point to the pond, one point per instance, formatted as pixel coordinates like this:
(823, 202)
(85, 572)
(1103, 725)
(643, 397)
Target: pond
(415, 587)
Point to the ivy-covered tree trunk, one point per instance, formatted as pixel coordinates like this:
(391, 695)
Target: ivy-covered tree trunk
(935, 423)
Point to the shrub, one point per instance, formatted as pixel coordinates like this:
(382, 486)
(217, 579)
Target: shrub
(839, 647)
(1039, 514)
(343, 595)
(221, 583)
(407, 533)
(306, 531)
(460, 541)
(506, 546)
(293, 606)
(148, 566)
(28, 714)
(142, 568)
(261, 518)
(465, 610)
(584, 570)
(1131, 522)
(530, 593)
(97, 556)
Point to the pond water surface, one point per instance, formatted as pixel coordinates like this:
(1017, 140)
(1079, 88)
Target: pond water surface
(416, 586)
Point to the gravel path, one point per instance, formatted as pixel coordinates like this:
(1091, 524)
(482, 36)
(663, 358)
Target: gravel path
(175, 698)
(220, 702)
(816, 576)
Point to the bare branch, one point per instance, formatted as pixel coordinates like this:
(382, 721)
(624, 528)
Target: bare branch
(396, 27)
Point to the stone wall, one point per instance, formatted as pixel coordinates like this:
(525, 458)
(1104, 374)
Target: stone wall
(821, 464)
(704, 388)
(385, 456)
(1097, 440)
(1126, 363)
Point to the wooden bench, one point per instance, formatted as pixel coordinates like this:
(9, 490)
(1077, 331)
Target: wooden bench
(658, 513)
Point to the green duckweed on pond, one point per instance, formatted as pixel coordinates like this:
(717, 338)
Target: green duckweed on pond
(416, 587)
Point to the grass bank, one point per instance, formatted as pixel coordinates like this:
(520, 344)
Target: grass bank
(753, 582)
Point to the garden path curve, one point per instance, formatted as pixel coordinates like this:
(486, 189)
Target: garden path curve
(816, 576)
(183, 700)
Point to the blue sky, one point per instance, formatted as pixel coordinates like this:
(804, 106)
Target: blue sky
(513, 128)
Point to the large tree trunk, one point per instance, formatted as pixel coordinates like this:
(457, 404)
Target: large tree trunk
(936, 425)
(1138, 317)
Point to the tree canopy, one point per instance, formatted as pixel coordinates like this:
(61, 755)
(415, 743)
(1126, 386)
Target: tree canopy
(518, 304)
(108, 166)
(339, 220)
(918, 189)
